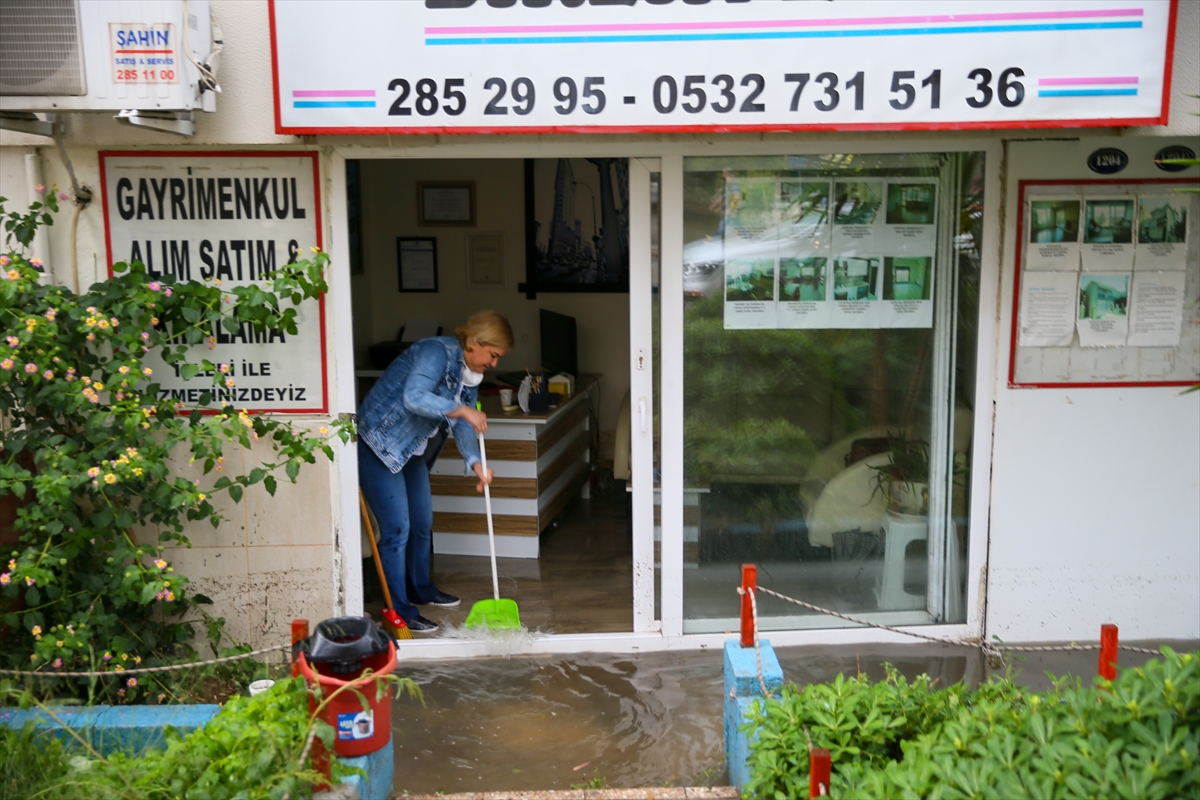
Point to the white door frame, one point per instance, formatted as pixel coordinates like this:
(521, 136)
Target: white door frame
(648, 636)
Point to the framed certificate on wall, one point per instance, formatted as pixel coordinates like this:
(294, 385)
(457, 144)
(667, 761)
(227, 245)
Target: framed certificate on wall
(417, 263)
(446, 203)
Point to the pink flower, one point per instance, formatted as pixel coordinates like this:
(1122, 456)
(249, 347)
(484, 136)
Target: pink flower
(31, 368)
(154, 286)
(41, 187)
(131, 682)
(3, 261)
(5, 579)
(13, 274)
(6, 363)
(167, 291)
(13, 341)
(37, 262)
(56, 663)
(48, 375)
(63, 196)
(29, 581)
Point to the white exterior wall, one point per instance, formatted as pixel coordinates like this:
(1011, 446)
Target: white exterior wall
(1059, 564)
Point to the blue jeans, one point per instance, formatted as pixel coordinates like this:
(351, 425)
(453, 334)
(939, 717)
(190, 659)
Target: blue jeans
(404, 508)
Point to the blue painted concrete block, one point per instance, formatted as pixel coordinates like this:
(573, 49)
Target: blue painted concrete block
(742, 688)
(380, 767)
(108, 729)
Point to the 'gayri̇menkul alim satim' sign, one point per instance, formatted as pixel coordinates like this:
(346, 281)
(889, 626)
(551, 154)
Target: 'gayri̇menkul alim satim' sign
(232, 217)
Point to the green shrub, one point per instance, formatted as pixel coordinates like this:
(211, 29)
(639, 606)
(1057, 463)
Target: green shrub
(29, 762)
(1137, 736)
(92, 455)
(251, 749)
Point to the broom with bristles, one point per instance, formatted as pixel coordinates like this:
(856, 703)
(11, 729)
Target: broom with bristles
(393, 623)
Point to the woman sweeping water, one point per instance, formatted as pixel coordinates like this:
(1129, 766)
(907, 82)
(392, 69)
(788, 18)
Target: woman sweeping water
(402, 424)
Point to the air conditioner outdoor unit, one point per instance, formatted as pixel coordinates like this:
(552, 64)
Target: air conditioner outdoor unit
(105, 55)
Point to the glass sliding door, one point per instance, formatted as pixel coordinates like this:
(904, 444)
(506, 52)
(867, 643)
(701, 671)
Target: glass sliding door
(829, 316)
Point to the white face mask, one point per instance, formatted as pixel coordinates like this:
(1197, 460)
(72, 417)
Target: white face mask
(470, 377)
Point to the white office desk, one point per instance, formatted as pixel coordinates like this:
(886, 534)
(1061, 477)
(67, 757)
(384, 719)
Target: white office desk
(540, 461)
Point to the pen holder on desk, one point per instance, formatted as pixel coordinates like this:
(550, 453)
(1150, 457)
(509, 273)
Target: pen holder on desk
(539, 396)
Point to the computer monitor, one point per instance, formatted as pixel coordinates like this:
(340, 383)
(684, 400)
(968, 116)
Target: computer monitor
(559, 353)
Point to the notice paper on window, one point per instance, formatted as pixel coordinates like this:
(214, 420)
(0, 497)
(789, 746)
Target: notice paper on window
(1053, 234)
(857, 217)
(1108, 234)
(1048, 307)
(1162, 233)
(750, 293)
(803, 293)
(907, 292)
(1156, 309)
(804, 219)
(910, 218)
(1103, 309)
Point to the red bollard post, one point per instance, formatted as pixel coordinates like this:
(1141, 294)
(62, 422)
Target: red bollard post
(749, 583)
(819, 766)
(1108, 652)
(299, 632)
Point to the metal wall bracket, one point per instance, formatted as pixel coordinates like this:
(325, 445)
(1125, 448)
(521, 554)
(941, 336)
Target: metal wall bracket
(182, 123)
(27, 122)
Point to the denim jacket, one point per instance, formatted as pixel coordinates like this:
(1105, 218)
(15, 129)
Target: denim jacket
(410, 402)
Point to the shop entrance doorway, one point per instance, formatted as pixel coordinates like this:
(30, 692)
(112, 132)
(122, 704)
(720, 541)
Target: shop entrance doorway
(549, 243)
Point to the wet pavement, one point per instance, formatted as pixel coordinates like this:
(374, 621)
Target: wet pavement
(597, 721)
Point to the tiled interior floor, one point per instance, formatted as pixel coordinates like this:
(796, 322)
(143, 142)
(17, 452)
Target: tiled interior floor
(582, 583)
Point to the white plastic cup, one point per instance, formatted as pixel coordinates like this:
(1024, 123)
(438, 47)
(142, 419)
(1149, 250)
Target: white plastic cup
(506, 397)
(258, 687)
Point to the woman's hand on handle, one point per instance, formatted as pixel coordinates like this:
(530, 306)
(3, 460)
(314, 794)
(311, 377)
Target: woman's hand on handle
(484, 478)
(476, 419)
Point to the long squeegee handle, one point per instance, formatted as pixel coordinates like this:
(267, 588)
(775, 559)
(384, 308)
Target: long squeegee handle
(487, 501)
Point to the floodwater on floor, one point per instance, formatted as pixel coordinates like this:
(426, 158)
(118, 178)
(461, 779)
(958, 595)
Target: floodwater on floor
(655, 719)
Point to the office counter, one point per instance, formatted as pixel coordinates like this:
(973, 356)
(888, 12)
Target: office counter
(540, 462)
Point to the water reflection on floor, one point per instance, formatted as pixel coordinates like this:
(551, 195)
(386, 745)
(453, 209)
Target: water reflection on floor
(525, 723)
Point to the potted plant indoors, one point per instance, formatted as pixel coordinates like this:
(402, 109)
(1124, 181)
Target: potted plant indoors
(904, 479)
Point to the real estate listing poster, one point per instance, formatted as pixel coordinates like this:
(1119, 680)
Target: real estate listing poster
(751, 238)
(803, 293)
(1048, 309)
(1103, 309)
(1156, 309)
(1162, 226)
(857, 216)
(804, 218)
(910, 218)
(815, 254)
(855, 292)
(750, 293)
(907, 292)
(1053, 234)
(1107, 234)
